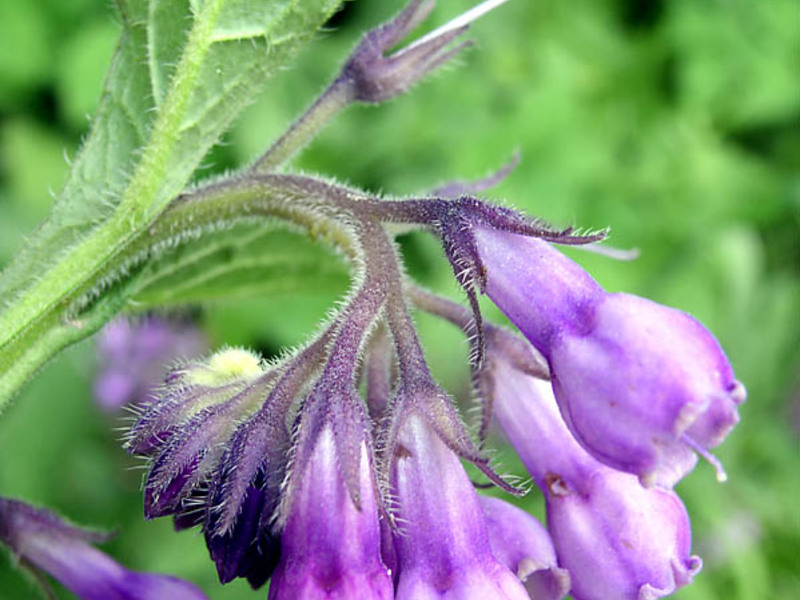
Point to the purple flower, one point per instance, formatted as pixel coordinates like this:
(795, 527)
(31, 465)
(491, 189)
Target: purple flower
(618, 540)
(134, 357)
(442, 548)
(522, 544)
(331, 547)
(217, 455)
(40, 538)
(641, 386)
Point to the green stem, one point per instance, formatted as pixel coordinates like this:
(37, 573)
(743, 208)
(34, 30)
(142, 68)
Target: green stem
(78, 316)
(332, 101)
(35, 326)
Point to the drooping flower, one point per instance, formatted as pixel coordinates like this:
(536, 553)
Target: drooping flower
(618, 539)
(442, 548)
(46, 542)
(522, 544)
(330, 546)
(134, 357)
(641, 386)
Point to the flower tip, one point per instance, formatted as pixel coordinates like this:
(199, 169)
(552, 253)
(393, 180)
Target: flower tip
(459, 22)
(682, 572)
(694, 565)
(544, 582)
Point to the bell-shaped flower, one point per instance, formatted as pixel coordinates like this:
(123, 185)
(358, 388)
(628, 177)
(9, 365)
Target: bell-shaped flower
(40, 539)
(618, 539)
(442, 547)
(641, 386)
(521, 543)
(330, 547)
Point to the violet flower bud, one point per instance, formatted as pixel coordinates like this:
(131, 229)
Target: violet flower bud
(217, 458)
(442, 549)
(330, 547)
(374, 75)
(617, 539)
(41, 539)
(134, 357)
(186, 430)
(641, 386)
(521, 543)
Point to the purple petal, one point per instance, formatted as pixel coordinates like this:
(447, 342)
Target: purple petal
(42, 539)
(614, 536)
(641, 386)
(330, 548)
(523, 545)
(544, 293)
(443, 548)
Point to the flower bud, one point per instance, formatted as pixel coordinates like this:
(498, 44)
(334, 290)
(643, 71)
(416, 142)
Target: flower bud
(185, 429)
(617, 539)
(641, 386)
(330, 547)
(443, 548)
(41, 539)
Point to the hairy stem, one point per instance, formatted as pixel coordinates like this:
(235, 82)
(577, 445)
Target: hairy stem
(104, 294)
(332, 101)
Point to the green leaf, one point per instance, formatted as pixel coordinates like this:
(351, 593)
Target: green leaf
(248, 260)
(182, 72)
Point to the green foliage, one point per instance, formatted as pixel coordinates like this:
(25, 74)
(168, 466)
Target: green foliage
(248, 261)
(182, 72)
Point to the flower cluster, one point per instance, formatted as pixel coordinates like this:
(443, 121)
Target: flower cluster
(293, 475)
(337, 471)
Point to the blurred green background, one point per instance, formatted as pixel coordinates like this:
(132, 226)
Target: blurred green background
(675, 123)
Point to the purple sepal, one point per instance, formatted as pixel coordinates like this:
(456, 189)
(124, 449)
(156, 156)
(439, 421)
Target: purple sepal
(46, 542)
(374, 76)
(330, 547)
(248, 549)
(616, 538)
(642, 386)
(241, 506)
(521, 543)
(442, 548)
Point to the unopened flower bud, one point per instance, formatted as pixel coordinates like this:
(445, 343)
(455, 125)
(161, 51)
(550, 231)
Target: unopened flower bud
(443, 549)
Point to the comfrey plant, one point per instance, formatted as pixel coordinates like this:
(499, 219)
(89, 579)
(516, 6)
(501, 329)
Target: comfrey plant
(337, 470)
